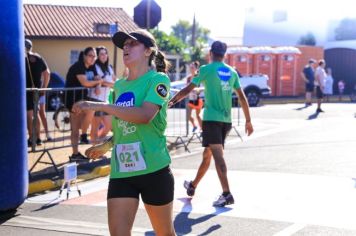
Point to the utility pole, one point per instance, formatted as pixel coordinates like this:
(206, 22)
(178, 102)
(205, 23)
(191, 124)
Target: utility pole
(148, 15)
(193, 32)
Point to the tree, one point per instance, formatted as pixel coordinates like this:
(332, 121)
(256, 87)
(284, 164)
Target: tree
(168, 43)
(183, 30)
(307, 39)
(346, 29)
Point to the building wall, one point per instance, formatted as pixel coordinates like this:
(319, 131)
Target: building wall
(57, 52)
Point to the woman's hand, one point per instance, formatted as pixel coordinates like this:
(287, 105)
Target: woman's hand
(81, 106)
(248, 128)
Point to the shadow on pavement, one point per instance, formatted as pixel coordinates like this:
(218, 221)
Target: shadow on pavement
(301, 108)
(313, 116)
(183, 223)
(7, 215)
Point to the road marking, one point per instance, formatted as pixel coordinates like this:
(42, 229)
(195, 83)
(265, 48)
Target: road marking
(69, 226)
(279, 197)
(290, 230)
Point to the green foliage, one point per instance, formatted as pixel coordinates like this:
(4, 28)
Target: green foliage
(180, 40)
(184, 30)
(346, 29)
(307, 39)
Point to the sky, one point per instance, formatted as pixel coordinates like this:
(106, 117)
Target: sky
(224, 18)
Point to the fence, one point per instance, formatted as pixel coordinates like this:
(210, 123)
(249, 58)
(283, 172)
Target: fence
(58, 121)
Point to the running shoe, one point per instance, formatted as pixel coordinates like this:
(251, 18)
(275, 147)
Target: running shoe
(194, 129)
(224, 200)
(84, 139)
(39, 141)
(78, 157)
(189, 187)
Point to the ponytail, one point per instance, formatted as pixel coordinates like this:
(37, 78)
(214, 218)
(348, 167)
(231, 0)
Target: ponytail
(160, 61)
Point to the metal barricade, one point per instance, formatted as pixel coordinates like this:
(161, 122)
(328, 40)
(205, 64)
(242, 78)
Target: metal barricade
(177, 125)
(58, 122)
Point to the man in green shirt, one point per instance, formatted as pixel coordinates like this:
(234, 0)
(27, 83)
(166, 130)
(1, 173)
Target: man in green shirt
(219, 80)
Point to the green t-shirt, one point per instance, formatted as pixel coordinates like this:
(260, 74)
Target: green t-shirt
(219, 80)
(140, 148)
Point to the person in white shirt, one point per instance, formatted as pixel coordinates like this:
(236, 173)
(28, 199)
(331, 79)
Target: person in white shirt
(320, 76)
(101, 123)
(329, 82)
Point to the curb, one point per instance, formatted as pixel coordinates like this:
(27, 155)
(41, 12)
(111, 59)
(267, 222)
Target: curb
(47, 184)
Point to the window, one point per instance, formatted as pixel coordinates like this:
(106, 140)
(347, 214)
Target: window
(74, 54)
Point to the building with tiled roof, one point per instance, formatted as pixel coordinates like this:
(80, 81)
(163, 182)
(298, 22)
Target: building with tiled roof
(59, 33)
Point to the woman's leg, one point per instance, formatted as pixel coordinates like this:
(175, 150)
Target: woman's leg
(191, 119)
(75, 123)
(107, 126)
(161, 219)
(94, 129)
(121, 215)
(200, 122)
(87, 121)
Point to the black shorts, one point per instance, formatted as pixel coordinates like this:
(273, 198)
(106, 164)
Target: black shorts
(72, 97)
(156, 188)
(319, 93)
(309, 87)
(215, 132)
(29, 101)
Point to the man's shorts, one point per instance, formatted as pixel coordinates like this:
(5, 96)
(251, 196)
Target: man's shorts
(156, 188)
(215, 132)
(309, 87)
(319, 93)
(29, 101)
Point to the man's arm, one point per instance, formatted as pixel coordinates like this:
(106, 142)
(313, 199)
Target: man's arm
(46, 77)
(246, 111)
(181, 94)
(304, 78)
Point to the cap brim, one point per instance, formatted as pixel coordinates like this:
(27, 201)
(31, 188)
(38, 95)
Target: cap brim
(119, 39)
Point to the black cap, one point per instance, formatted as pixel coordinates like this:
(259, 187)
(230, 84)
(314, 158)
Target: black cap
(218, 48)
(120, 37)
(28, 44)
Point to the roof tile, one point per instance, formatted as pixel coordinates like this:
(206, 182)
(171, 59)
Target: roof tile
(54, 21)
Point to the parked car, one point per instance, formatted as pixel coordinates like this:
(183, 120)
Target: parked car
(55, 98)
(254, 86)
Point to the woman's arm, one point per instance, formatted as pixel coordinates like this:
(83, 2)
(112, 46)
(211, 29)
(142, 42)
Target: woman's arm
(138, 115)
(86, 83)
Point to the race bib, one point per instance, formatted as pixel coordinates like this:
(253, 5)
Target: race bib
(129, 158)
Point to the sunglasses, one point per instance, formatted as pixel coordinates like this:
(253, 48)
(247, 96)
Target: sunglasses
(91, 55)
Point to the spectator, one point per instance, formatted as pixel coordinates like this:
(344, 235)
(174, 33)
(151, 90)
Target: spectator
(36, 68)
(329, 82)
(195, 102)
(341, 88)
(80, 74)
(140, 111)
(101, 94)
(320, 76)
(42, 113)
(308, 76)
(219, 80)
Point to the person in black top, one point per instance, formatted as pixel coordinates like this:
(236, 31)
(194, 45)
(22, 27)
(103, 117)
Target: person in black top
(308, 77)
(80, 74)
(36, 68)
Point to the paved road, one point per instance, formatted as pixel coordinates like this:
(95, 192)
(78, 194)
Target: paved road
(294, 176)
